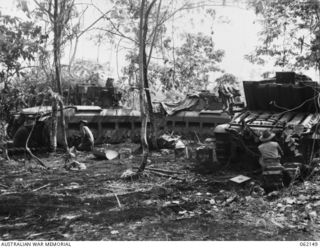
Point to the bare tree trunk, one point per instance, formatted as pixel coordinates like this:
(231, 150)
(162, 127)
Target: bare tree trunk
(318, 67)
(63, 126)
(145, 81)
(73, 54)
(58, 26)
(143, 110)
(57, 29)
(173, 55)
(54, 125)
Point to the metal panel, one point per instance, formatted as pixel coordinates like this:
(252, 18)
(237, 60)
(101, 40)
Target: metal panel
(88, 108)
(297, 119)
(249, 89)
(36, 110)
(286, 117)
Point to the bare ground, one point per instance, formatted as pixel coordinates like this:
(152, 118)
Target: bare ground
(95, 204)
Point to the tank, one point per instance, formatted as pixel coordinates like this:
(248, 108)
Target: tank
(287, 105)
(111, 125)
(194, 117)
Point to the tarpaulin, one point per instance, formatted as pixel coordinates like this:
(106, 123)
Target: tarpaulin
(187, 103)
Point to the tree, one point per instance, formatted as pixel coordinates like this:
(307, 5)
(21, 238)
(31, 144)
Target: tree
(58, 14)
(20, 41)
(142, 90)
(122, 24)
(144, 93)
(195, 59)
(290, 35)
(61, 16)
(122, 21)
(228, 80)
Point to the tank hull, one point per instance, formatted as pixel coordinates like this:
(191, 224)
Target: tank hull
(105, 124)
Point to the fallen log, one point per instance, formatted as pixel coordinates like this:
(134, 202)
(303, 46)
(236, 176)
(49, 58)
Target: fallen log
(166, 175)
(161, 170)
(44, 186)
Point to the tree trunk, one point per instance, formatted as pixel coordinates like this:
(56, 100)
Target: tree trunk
(73, 54)
(63, 126)
(58, 26)
(145, 81)
(143, 107)
(54, 126)
(318, 67)
(153, 127)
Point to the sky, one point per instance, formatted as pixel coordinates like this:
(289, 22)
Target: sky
(238, 37)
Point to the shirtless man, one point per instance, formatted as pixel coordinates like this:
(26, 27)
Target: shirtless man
(87, 139)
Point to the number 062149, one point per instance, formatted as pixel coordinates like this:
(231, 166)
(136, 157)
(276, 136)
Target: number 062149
(306, 244)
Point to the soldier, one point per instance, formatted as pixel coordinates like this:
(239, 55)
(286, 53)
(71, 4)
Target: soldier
(271, 154)
(271, 151)
(87, 139)
(226, 96)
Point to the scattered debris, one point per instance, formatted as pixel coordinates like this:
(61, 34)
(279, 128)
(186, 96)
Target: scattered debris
(290, 200)
(165, 152)
(73, 185)
(4, 186)
(110, 154)
(181, 150)
(75, 166)
(257, 191)
(204, 155)
(125, 153)
(293, 170)
(230, 199)
(42, 187)
(166, 175)
(162, 170)
(102, 153)
(240, 179)
(129, 174)
(118, 201)
(150, 202)
(167, 141)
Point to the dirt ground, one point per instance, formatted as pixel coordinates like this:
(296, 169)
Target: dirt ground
(95, 204)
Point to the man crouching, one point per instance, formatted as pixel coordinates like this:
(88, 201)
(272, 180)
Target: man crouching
(87, 139)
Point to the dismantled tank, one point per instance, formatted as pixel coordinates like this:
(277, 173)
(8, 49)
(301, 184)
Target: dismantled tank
(195, 115)
(287, 105)
(106, 96)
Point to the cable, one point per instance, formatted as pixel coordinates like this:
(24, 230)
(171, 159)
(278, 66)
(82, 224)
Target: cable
(299, 106)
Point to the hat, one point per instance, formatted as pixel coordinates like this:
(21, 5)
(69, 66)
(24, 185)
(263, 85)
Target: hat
(266, 136)
(84, 121)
